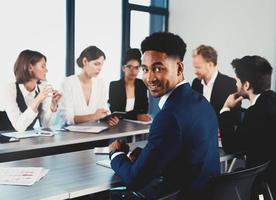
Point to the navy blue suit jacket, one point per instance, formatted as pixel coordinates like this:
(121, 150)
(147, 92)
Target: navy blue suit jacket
(182, 145)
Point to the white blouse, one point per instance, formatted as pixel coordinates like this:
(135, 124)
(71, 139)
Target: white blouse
(130, 104)
(73, 101)
(19, 120)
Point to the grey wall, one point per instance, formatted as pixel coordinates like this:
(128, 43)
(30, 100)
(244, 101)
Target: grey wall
(234, 28)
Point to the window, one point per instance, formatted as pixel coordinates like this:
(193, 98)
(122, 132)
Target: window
(140, 19)
(99, 23)
(35, 25)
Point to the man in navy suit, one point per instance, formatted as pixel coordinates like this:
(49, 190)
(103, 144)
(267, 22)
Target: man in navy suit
(182, 148)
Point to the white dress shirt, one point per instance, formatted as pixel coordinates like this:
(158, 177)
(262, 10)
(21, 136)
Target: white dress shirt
(19, 120)
(207, 88)
(166, 96)
(73, 101)
(130, 104)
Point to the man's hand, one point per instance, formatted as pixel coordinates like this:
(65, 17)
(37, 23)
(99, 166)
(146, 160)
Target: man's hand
(233, 100)
(134, 154)
(119, 145)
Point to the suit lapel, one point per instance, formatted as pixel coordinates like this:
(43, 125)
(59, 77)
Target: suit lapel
(216, 89)
(123, 92)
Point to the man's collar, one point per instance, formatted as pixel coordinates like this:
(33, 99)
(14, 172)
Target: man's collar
(166, 96)
(211, 82)
(255, 99)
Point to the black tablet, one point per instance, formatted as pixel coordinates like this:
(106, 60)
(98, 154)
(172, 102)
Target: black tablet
(5, 139)
(118, 114)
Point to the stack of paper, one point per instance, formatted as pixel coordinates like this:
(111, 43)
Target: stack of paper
(86, 129)
(104, 163)
(101, 150)
(20, 135)
(138, 122)
(21, 175)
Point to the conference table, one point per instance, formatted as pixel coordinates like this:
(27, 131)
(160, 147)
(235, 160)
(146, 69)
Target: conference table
(66, 141)
(70, 175)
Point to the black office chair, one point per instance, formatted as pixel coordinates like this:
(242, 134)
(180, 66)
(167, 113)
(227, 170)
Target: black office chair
(235, 185)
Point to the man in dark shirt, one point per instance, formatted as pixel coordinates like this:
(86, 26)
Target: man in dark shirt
(254, 134)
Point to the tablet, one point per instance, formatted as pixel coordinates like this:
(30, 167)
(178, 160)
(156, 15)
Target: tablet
(118, 114)
(5, 139)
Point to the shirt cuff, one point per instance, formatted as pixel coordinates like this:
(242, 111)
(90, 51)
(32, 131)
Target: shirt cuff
(224, 110)
(116, 154)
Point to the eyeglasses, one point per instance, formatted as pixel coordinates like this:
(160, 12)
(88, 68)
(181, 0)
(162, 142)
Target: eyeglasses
(133, 67)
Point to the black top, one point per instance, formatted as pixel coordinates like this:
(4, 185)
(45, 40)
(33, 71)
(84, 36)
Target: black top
(117, 98)
(5, 122)
(255, 134)
(223, 87)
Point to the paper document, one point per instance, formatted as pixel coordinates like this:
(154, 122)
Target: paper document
(138, 122)
(101, 150)
(104, 163)
(21, 175)
(28, 134)
(25, 134)
(86, 129)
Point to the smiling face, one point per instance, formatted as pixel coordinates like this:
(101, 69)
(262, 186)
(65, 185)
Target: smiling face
(160, 72)
(39, 70)
(202, 67)
(93, 68)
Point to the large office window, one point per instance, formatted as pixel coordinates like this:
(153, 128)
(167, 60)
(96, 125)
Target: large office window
(100, 23)
(35, 25)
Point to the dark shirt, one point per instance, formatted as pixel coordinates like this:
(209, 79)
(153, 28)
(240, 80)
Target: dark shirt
(118, 99)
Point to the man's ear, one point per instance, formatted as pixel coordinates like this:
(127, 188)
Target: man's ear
(180, 68)
(247, 86)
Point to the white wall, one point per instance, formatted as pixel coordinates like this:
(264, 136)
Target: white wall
(234, 28)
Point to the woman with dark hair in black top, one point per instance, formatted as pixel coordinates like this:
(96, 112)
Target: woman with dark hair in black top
(129, 93)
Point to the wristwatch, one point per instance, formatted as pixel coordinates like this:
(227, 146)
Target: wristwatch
(114, 151)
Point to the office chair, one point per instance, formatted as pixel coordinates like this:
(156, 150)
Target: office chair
(235, 185)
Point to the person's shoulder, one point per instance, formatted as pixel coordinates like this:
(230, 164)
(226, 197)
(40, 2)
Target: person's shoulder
(196, 82)
(70, 79)
(98, 80)
(140, 82)
(226, 78)
(268, 98)
(113, 83)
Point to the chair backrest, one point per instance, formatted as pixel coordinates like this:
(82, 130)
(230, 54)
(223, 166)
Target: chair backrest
(235, 185)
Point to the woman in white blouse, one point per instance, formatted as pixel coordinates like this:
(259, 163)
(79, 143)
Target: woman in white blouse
(28, 99)
(84, 95)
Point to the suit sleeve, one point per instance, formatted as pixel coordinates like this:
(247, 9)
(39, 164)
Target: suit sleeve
(154, 157)
(232, 134)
